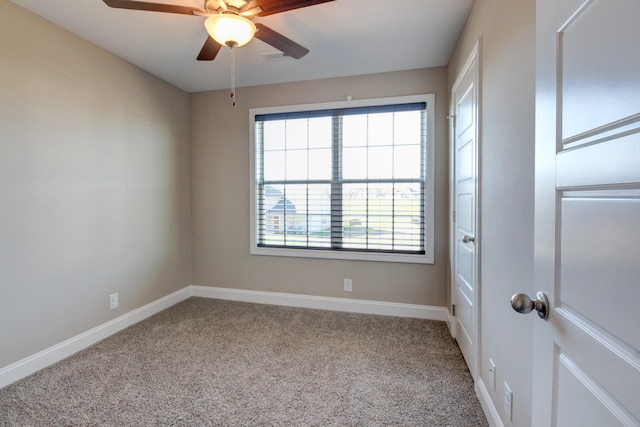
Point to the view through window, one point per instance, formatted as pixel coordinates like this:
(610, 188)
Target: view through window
(344, 179)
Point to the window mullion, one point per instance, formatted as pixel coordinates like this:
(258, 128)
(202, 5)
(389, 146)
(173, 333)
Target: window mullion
(393, 186)
(336, 182)
(308, 202)
(368, 201)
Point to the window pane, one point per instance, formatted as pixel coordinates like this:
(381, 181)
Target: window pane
(320, 132)
(297, 133)
(354, 204)
(368, 220)
(272, 207)
(274, 165)
(380, 160)
(407, 161)
(319, 215)
(354, 163)
(380, 129)
(296, 164)
(296, 218)
(354, 131)
(320, 164)
(274, 135)
(408, 213)
(408, 128)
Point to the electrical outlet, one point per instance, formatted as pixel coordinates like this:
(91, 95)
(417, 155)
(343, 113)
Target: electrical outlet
(492, 375)
(348, 285)
(508, 401)
(113, 301)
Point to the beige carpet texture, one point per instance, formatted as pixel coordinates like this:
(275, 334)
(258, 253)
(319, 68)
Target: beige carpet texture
(208, 362)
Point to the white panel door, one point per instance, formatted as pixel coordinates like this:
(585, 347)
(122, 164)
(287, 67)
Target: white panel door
(465, 130)
(587, 355)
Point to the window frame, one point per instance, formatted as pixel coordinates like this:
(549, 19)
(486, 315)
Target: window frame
(345, 254)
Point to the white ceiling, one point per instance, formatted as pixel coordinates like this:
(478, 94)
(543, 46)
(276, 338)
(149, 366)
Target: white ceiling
(345, 37)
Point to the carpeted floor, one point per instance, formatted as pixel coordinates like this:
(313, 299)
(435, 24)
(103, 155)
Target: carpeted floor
(208, 362)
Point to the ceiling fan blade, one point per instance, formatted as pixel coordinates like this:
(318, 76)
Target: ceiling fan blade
(280, 42)
(209, 50)
(152, 7)
(271, 7)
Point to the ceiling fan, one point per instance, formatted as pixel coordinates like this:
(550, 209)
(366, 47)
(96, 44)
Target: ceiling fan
(230, 22)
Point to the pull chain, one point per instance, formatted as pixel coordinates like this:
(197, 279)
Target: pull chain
(233, 74)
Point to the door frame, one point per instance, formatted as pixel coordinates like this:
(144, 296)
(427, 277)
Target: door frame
(474, 55)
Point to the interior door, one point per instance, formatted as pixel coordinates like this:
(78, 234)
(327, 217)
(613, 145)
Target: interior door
(587, 238)
(465, 173)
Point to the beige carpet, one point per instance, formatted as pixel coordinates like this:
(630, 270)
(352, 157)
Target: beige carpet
(218, 363)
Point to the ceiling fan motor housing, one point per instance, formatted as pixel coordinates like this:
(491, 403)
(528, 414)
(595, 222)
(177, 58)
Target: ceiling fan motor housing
(213, 6)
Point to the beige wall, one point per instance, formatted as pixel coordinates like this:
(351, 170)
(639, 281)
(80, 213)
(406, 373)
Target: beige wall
(507, 29)
(220, 182)
(94, 185)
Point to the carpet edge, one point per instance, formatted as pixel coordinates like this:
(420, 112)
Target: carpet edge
(35, 362)
(325, 303)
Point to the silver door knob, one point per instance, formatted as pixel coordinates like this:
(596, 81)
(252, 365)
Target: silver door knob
(468, 239)
(523, 304)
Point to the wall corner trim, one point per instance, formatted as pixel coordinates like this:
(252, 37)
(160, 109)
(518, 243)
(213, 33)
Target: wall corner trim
(324, 303)
(488, 407)
(31, 364)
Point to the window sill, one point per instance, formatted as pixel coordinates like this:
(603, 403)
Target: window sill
(343, 255)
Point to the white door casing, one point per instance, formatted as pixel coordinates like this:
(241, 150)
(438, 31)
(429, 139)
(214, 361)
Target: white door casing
(464, 239)
(587, 226)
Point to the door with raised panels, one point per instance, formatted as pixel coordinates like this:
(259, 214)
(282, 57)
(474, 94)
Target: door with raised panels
(465, 173)
(587, 229)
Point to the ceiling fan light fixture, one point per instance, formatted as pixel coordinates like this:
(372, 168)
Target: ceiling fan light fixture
(230, 29)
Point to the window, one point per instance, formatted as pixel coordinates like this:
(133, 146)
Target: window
(346, 180)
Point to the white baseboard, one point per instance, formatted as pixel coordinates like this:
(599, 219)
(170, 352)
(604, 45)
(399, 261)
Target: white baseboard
(488, 407)
(324, 303)
(57, 352)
